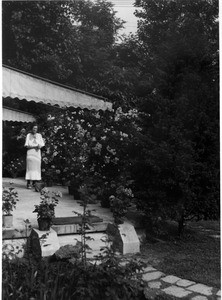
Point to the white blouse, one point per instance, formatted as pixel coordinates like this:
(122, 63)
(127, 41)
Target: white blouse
(34, 140)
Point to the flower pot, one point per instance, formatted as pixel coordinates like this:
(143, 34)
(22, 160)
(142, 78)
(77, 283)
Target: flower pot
(76, 194)
(71, 190)
(105, 203)
(49, 183)
(44, 224)
(7, 221)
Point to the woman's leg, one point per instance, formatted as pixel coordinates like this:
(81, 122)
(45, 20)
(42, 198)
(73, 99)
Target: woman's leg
(28, 184)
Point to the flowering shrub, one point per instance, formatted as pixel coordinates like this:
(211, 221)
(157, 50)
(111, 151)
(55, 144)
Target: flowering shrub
(15, 166)
(120, 203)
(89, 146)
(46, 208)
(83, 144)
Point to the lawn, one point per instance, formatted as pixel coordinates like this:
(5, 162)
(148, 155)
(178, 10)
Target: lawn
(195, 257)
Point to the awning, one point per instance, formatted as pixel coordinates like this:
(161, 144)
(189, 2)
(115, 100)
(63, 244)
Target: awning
(22, 85)
(9, 114)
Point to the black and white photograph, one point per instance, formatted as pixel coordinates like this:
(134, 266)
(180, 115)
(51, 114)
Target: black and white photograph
(110, 150)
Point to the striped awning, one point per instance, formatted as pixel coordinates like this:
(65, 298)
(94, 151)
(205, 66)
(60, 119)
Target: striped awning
(22, 85)
(9, 114)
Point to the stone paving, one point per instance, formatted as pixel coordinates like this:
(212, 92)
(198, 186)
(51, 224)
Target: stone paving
(171, 285)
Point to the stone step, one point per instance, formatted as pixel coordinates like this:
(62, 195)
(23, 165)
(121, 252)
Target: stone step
(53, 242)
(15, 233)
(74, 228)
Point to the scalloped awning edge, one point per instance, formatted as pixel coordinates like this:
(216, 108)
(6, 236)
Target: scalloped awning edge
(23, 86)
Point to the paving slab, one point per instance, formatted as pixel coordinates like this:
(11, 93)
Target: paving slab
(201, 289)
(176, 291)
(185, 283)
(149, 269)
(152, 276)
(199, 297)
(171, 279)
(154, 284)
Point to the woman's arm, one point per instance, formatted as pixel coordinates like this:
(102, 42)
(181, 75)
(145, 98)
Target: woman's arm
(27, 141)
(41, 142)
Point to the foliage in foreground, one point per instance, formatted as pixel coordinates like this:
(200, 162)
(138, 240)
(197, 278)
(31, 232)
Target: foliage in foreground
(66, 280)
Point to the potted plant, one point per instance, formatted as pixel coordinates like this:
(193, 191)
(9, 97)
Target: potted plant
(120, 202)
(9, 201)
(46, 209)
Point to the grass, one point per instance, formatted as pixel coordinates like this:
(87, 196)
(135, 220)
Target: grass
(195, 257)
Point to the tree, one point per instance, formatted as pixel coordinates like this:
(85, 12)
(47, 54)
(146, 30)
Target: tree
(178, 47)
(64, 41)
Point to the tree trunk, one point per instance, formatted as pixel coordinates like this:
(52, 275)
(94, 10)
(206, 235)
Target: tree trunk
(181, 225)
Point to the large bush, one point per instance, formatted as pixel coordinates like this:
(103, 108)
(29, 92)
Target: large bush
(92, 143)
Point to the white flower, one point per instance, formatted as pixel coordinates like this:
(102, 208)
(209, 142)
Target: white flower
(107, 159)
(50, 118)
(113, 151)
(97, 116)
(97, 148)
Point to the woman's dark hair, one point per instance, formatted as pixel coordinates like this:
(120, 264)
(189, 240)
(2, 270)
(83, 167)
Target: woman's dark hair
(34, 124)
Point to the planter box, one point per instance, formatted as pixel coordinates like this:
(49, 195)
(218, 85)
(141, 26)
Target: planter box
(105, 203)
(76, 194)
(71, 190)
(74, 191)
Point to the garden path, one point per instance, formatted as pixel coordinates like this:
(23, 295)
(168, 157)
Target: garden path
(157, 282)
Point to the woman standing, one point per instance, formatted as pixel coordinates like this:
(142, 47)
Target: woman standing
(34, 142)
